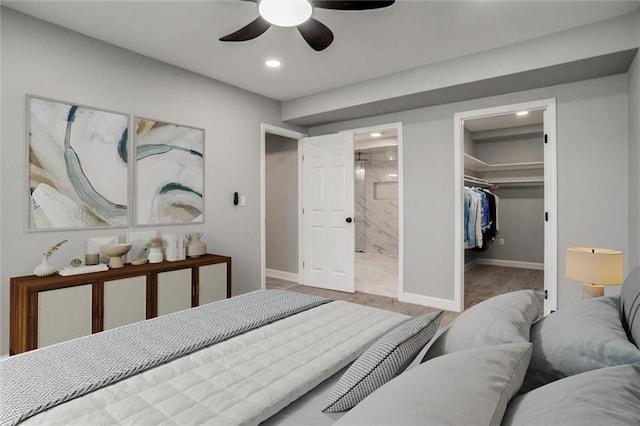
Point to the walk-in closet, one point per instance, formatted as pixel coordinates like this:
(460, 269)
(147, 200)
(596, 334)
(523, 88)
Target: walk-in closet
(504, 205)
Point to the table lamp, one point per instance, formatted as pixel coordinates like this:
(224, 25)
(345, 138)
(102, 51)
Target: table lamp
(594, 268)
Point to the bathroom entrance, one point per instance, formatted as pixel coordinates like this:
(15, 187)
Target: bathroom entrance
(376, 190)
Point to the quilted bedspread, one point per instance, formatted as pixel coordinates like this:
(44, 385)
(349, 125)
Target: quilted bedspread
(242, 380)
(37, 380)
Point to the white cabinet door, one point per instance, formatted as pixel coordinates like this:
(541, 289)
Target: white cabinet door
(64, 314)
(212, 283)
(174, 291)
(125, 301)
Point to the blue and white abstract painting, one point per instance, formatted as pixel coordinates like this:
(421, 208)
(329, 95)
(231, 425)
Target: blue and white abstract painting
(169, 174)
(78, 173)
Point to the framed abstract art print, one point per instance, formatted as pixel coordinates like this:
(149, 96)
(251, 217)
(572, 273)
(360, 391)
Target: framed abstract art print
(78, 166)
(169, 173)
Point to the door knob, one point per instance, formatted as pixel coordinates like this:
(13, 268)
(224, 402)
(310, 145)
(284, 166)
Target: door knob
(349, 220)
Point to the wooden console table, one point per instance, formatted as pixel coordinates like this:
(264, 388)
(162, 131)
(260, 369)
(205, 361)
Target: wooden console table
(48, 310)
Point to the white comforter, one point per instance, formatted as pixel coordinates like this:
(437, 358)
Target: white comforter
(243, 380)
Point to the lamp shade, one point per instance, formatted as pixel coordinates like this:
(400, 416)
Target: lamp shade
(594, 266)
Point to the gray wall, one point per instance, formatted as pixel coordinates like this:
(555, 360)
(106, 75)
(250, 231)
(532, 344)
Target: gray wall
(632, 257)
(521, 208)
(510, 150)
(521, 225)
(592, 164)
(281, 203)
(469, 145)
(46, 60)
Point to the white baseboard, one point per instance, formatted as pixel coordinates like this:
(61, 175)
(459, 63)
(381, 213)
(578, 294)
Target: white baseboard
(508, 264)
(282, 275)
(434, 302)
(470, 265)
(3, 357)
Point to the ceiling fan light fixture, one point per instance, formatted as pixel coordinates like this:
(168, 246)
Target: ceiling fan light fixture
(285, 13)
(273, 63)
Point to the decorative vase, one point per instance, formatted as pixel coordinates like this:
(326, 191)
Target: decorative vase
(195, 247)
(45, 268)
(155, 255)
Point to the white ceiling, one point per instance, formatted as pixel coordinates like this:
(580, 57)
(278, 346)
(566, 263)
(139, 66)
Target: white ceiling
(367, 44)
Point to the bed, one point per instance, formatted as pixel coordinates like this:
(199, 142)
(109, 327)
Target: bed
(284, 358)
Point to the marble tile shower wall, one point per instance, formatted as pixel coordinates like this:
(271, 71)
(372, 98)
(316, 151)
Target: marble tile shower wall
(377, 210)
(359, 191)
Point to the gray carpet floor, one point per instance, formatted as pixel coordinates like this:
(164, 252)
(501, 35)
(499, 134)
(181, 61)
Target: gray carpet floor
(481, 282)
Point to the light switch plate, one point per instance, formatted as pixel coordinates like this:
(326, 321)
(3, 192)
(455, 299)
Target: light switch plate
(243, 200)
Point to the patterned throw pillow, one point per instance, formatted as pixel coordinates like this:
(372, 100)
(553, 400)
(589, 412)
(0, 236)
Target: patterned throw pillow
(383, 361)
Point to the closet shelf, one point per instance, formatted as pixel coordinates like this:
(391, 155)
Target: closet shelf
(502, 182)
(477, 165)
(519, 181)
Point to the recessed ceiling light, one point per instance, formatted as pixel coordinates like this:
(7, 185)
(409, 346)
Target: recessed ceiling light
(376, 134)
(273, 63)
(521, 113)
(285, 13)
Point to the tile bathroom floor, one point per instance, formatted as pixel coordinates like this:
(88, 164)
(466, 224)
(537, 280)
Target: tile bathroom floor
(376, 273)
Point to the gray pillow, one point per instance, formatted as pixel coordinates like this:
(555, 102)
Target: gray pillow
(470, 387)
(505, 318)
(609, 396)
(630, 306)
(383, 361)
(581, 337)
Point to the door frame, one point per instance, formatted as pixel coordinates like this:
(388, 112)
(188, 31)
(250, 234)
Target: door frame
(398, 126)
(550, 195)
(280, 131)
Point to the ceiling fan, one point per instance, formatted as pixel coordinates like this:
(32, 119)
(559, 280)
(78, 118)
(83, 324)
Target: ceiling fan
(297, 13)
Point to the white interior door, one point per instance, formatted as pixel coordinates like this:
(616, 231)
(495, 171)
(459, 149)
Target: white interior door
(328, 212)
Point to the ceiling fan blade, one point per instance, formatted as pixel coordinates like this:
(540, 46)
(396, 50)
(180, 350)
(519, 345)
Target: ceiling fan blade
(248, 32)
(352, 5)
(316, 34)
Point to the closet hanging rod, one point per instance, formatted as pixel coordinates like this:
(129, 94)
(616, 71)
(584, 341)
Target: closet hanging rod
(478, 181)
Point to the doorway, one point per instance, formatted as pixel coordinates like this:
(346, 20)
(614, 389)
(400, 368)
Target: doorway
(303, 237)
(505, 164)
(376, 212)
(280, 203)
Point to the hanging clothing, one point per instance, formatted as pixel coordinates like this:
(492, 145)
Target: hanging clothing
(473, 219)
(469, 221)
(492, 199)
(480, 218)
(484, 205)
